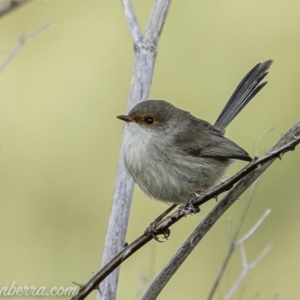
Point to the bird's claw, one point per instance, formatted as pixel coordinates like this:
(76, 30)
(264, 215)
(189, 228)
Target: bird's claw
(189, 208)
(152, 231)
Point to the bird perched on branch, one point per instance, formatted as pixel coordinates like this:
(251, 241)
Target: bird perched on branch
(171, 154)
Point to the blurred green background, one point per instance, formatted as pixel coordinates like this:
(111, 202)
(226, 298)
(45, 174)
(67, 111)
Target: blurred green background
(60, 140)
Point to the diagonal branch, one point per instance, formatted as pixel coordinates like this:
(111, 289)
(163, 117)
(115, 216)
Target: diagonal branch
(253, 229)
(231, 240)
(246, 268)
(232, 246)
(242, 180)
(21, 42)
(189, 245)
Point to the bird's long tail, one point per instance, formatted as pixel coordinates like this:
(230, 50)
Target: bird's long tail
(245, 91)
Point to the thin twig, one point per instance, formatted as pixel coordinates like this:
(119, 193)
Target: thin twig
(176, 261)
(231, 243)
(245, 212)
(246, 268)
(246, 177)
(253, 229)
(173, 265)
(21, 42)
(256, 147)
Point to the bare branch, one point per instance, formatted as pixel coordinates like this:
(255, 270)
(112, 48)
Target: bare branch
(253, 229)
(156, 21)
(10, 5)
(132, 21)
(21, 42)
(246, 268)
(229, 231)
(231, 244)
(188, 246)
(260, 256)
(245, 212)
(256, 148)
(242, 180)
(139, 91)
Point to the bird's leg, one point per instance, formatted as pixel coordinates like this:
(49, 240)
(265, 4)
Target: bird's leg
(151, 229)
(189, 208)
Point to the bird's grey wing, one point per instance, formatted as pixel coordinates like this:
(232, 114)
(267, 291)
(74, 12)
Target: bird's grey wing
(224, 148)
(205, 140)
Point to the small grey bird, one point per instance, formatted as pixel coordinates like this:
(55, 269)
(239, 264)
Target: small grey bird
(171, 154)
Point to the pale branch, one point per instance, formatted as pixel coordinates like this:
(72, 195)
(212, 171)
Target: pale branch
(256, 146)
(231, 240)
(188, 246)
(253, 229)
(21, 42)
(10, 5)
(132, 21)
(139, 91)
(246, 268)
(231, 247)
(156, 22)
(244, 213)
(242, 181)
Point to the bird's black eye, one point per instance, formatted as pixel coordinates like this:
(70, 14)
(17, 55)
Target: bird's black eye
(149, 120)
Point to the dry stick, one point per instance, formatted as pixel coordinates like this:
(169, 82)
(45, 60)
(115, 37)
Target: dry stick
(246, 177)
(10, 5)
(246, 268)
(287, 142)
(145, 52)
(21, 42)
(232, 240)
(233, 244)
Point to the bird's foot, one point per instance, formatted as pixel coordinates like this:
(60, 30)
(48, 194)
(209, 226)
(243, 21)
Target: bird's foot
(152, 228)
(189, 208)
(152, 231)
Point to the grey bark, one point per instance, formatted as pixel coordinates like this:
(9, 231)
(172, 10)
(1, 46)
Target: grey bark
(145, 52)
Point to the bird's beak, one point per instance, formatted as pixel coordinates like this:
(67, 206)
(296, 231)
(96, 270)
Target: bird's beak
(125, 118)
